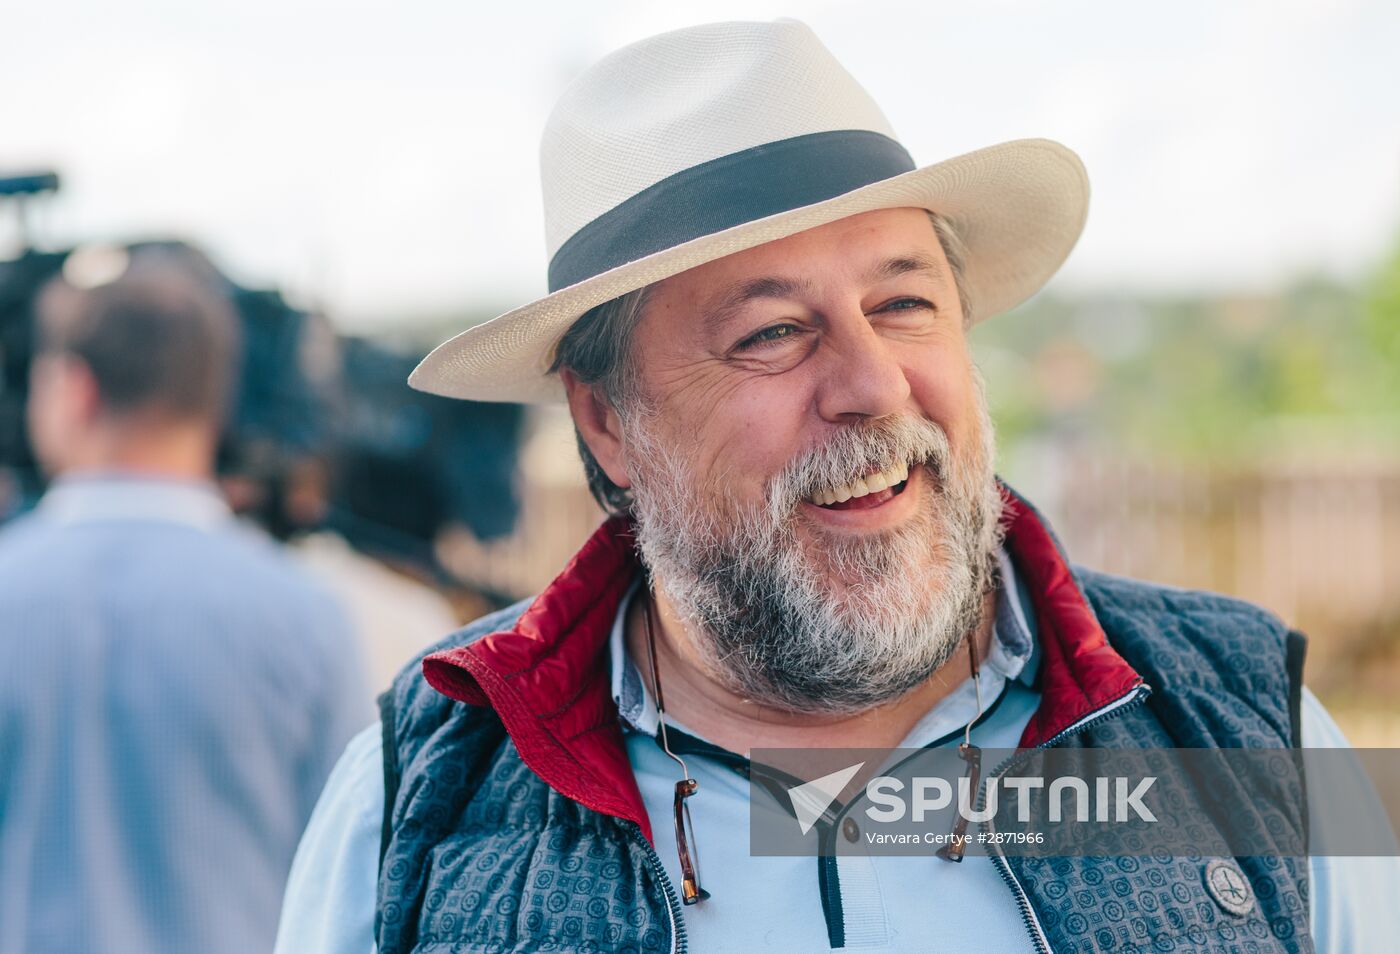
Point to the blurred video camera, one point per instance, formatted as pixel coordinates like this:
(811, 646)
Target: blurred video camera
(324, 432)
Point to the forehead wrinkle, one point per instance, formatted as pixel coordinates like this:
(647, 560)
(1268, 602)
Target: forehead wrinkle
(910, 262)
(725, 305)
(728, 303)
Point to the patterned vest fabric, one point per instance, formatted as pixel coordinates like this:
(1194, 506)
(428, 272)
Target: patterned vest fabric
(1221, 677)
(480, 855)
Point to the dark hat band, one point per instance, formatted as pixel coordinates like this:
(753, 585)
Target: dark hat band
(722, 193)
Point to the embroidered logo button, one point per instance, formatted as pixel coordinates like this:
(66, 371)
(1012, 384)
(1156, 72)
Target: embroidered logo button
(1229, 887)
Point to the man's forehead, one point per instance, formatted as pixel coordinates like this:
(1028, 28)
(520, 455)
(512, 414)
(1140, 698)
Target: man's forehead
(867, 248)
(724, 300)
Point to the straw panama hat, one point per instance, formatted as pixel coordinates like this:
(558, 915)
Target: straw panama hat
(692, 145)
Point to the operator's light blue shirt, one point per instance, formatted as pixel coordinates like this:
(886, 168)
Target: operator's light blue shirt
(889, 904)
(173, 694)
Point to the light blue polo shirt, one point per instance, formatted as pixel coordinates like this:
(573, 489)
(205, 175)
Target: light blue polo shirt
(174, 692)
(887, 904)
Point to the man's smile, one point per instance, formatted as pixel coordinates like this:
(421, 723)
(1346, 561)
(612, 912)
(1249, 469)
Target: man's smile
(867, 508)
(867, 490)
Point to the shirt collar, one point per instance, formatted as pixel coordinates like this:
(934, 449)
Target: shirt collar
(633, 700)
(1013, 654)
(103, 496)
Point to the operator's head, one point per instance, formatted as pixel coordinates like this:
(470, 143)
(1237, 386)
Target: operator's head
(132, 374)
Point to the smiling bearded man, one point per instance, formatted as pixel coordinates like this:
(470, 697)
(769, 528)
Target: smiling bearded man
(823, 622)
(758, 314)
(809, 366)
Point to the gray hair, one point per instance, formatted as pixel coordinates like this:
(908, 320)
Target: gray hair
(597, 349)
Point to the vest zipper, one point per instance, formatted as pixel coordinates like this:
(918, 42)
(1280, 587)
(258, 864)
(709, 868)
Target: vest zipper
(1133, 697)
(673, 904)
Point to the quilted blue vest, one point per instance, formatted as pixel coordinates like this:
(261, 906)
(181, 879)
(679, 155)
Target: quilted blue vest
(480, 855)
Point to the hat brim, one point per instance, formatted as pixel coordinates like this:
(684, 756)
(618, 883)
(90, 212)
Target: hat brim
(1018, 208)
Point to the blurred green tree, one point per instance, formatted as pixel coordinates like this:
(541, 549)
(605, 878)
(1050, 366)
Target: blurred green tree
(1226, 378)
(1382, 323)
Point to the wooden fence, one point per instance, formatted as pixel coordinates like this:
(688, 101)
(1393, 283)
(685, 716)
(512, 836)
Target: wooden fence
(1308, 541)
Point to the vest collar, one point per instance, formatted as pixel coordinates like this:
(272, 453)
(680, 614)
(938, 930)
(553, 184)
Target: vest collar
(547, 677)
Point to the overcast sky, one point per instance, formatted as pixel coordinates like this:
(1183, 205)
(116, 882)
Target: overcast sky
(381, 158)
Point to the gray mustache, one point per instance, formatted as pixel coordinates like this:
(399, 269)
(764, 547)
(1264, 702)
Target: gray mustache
(861, 449)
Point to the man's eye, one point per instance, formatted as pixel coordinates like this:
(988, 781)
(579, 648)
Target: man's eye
(905, 304)
(766, 336)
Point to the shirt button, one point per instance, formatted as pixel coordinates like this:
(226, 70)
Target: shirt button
(850, 829)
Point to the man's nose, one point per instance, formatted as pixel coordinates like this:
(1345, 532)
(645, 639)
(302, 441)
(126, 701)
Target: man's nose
(862, 375)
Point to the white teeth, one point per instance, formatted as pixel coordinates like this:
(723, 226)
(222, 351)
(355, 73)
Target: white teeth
(869, 484)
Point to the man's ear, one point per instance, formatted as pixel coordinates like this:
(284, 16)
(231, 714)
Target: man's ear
(63, 380)
(87, 394)
(599, 424)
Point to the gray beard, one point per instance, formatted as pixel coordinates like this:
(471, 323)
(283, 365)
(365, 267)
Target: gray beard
(832, 625)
